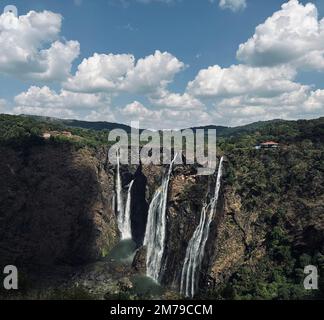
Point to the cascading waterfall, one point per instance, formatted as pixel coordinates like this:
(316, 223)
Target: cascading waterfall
(196, 246)
(123, 214)
(156, 228)
(127, 217)
(119, 196)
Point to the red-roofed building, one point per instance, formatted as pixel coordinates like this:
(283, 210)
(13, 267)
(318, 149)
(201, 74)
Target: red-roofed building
(269, 144)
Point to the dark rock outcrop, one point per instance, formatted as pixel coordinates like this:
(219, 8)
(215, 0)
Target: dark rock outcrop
(139, 261)
(139, 207)
(55, 207)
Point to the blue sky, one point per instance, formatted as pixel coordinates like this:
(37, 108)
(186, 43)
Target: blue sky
(198, 34)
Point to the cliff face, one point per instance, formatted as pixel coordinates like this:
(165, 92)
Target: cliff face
(56, 207)
(272, 224)
(268, 223)
(187, 192)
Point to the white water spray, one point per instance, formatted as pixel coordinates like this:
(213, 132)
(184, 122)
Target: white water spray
(196, 247)
(127, 234)
(156, 228)
(123, 214)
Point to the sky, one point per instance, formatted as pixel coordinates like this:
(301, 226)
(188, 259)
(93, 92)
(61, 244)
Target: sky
(163, 63)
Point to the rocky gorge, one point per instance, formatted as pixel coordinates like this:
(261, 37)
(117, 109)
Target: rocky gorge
(59, 223)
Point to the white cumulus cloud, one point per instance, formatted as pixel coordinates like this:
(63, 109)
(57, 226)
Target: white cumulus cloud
(166, 99)
(300, 104)
(152, 72)
(30, 46)
(241, 79)
(45, 101)
(293, 35)
(101, 72)
(162, 118)
(120, 73)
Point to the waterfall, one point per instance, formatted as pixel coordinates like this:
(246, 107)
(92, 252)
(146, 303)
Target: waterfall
(119, 194)
(123, 214)
(156, 228)
(127, 217)
(196, 246)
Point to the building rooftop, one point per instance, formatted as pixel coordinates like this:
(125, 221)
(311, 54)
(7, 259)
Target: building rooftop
(269, 142)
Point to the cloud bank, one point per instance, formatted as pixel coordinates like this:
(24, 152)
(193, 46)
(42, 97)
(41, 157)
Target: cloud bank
(261, 86)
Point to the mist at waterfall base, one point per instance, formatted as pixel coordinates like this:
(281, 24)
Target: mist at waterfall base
(196, 246)
(123, 254)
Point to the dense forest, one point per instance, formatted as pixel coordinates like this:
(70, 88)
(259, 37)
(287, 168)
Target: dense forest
(286, 189)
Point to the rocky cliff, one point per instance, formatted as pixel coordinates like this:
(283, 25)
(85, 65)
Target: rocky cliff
(57, 209)
(268, 224)
(56, 206)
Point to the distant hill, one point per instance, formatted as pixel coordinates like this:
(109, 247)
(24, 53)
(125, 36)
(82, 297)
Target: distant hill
(223, 131)
(98, 125)
(272, 128)
(252, 127)
(220, 130)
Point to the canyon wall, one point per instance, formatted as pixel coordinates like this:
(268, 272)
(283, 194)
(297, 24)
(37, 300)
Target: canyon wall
(57, 207)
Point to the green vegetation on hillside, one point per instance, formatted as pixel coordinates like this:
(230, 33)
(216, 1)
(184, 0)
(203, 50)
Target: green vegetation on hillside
(21, 131)
(285, 188)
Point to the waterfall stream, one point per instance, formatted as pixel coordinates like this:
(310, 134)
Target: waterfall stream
(123, 214)
(196, 246)
(127, 217)
(156, 228)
